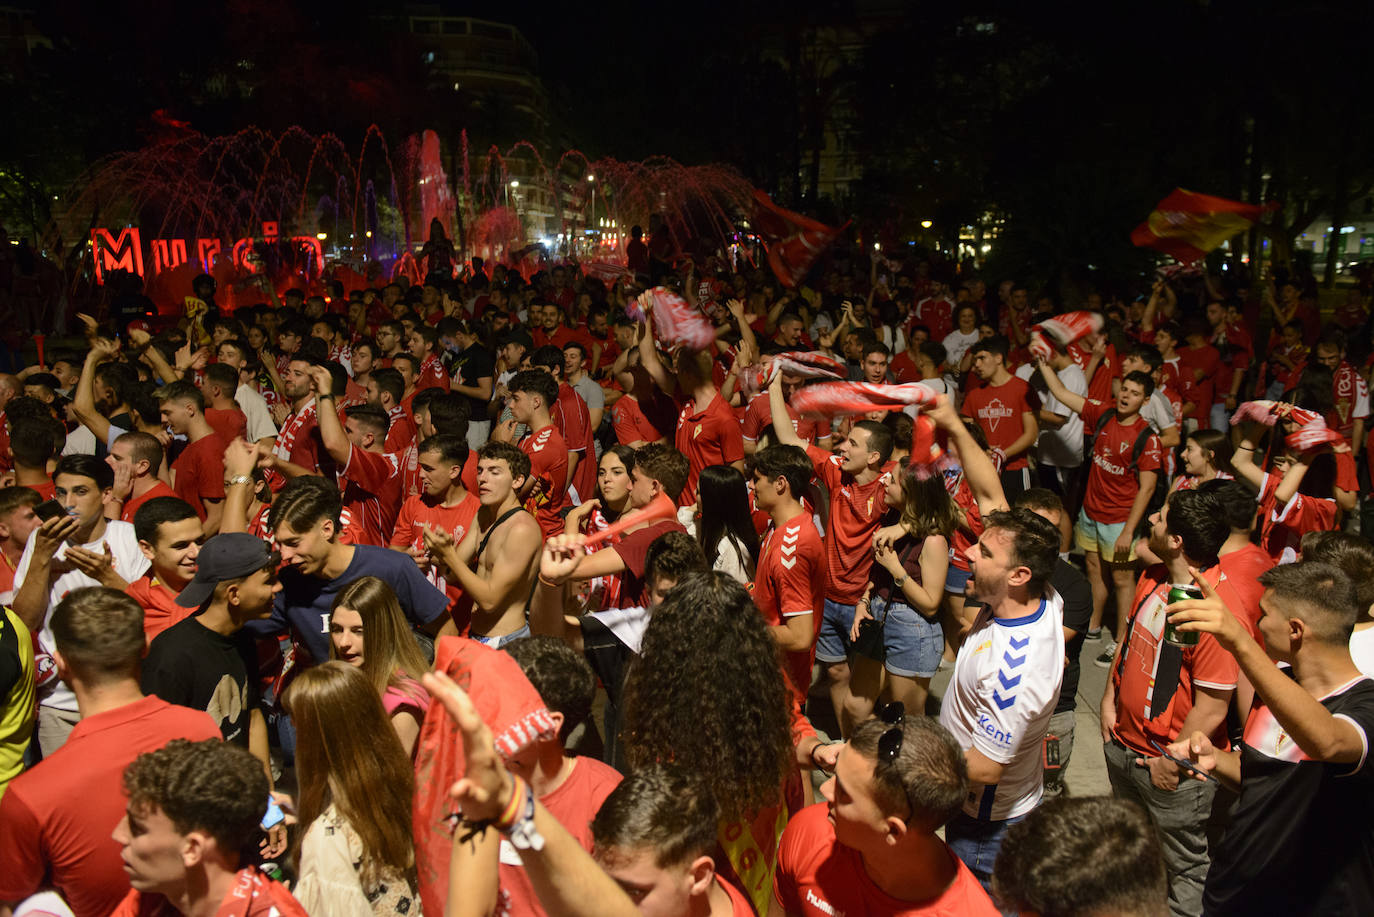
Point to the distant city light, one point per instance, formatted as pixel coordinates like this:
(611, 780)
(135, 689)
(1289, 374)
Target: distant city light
(926, 224)
(321, 236)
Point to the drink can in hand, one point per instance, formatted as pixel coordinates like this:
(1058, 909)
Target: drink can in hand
(1172, 634)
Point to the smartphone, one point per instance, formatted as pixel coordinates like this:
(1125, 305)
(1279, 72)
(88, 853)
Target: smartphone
(274, 815)
(1183, 763)
(49, 509)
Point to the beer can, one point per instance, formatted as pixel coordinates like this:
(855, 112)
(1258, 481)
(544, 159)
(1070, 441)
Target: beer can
(1172, 634)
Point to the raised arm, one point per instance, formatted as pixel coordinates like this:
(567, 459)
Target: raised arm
(1321, 735)
(648, 353)
(783, 432)
(1071, 400)
(566, 879)
(1243, 459)
(979, 471)
(83, 399)
(331, 431)
(240, 458)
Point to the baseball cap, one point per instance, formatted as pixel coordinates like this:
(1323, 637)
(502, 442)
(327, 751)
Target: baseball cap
(229, 556)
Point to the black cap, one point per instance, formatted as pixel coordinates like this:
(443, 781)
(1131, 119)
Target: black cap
(232, 555)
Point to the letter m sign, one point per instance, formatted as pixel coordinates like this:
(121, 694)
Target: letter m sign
(113, 254)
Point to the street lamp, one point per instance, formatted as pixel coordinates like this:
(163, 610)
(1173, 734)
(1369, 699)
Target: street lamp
(926, 224)
(591, 180)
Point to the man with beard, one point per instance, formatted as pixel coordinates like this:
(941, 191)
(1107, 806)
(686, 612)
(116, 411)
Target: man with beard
(1006, 681)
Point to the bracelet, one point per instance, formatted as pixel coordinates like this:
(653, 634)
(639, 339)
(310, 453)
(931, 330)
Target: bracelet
(550, 583)
(506, 819)
(1245, 447)
(814, 763)
(327, 396)
(238, 479)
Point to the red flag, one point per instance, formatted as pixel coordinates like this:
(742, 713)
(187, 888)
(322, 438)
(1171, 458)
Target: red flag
(1188, 225)
(833, 399)
(793, 241)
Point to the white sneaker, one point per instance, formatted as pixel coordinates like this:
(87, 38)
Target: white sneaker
(1104, 661)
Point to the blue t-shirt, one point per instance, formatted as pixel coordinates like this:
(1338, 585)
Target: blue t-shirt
(304, 602)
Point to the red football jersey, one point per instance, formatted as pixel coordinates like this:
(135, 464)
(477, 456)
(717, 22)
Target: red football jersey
(548, 495)
(791, 581)
(1112, 480)
(999, 410)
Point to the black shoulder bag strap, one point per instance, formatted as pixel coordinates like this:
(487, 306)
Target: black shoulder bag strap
(482, 545)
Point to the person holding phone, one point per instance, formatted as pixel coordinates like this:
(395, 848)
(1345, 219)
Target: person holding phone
(1299, 839)
(1159, 690)
(77, 548)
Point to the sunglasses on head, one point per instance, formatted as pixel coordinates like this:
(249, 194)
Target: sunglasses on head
(890, 742)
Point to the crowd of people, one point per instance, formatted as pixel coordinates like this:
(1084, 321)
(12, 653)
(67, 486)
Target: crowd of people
(535, 608)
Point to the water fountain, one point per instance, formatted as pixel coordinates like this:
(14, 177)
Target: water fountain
(297, 208)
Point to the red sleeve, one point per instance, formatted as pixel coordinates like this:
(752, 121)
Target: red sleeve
(623, 422)
(1212, 666)
(1346, 478)
(731, 441)
(21, 843)
(1151, 459)
(575, 421)
(824, 463)
(210, 471)
(402, 533)
(970, 404)
(634, 549)
(1092, 412)
(369, 470)
(794, 584)
(1313, 514)
(753, 422)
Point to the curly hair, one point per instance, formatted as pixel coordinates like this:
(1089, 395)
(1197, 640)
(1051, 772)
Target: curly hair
(709, 692)
(211, 785)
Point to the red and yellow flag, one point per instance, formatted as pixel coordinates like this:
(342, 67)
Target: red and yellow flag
(1188, 225)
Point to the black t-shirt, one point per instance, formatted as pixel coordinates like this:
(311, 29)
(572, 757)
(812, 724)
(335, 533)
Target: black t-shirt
(191, 665)
(1074, 589)
(470, 365)
(1301, 839)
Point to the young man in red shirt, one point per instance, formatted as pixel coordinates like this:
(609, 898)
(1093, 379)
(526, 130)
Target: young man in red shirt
(183, 840)
(656, 835)
(871, 847)
(56, 817)
(659, 469)
(1117, 491)
(1199, 364)
(1159, 692)
(385, 388)
(444, 504)
(198, 473)
(707, 431)
(789, 585)
(571, 415)
(169, 534)
(855, 480)
(136, 458)
(369, 477)
(758, 416)
(17, 521)
(421, 344)
(545, 490)
(1350, 394)
(1004, 407)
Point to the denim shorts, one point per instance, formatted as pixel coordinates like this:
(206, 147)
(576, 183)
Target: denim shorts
(956, 580)
(914, 645)
(497, 642)
(832, 643)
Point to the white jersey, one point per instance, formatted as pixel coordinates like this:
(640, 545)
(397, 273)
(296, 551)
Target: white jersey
(129, 563)
(1005, 686)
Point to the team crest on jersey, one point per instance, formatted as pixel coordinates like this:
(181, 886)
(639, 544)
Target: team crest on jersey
(995, 412)
(696, 431)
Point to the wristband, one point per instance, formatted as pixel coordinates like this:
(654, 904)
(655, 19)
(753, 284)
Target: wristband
(325, 397)
(550, 583)
(506, 819)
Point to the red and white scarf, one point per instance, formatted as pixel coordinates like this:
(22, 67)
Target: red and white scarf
(296, 423)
